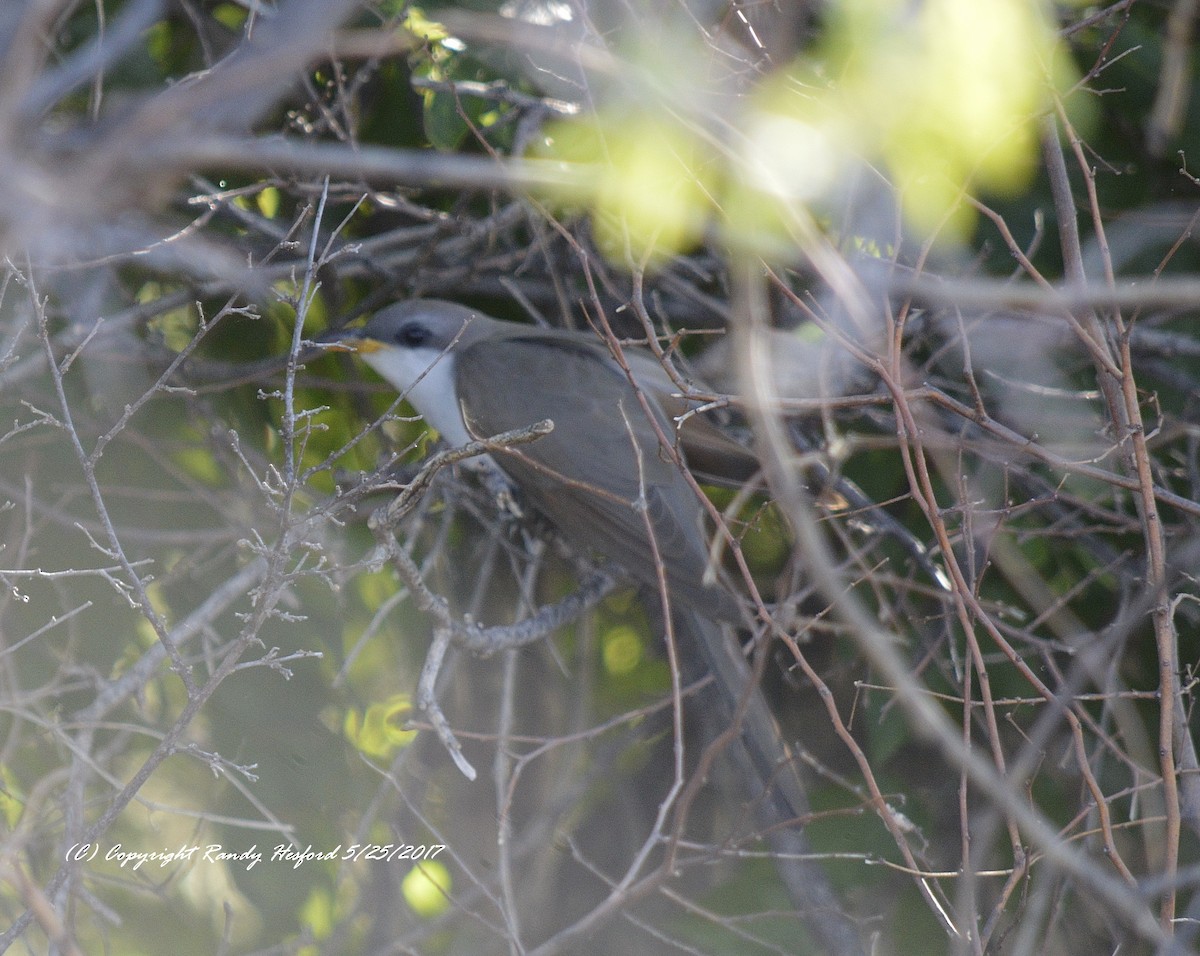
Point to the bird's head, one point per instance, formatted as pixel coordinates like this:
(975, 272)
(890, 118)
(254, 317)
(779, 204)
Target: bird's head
(411, 345)
(421, 328)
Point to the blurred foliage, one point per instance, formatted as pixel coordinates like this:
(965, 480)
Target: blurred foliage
(689, 145)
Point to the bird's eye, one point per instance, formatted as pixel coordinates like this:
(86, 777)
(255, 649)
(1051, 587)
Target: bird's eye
(413, 335)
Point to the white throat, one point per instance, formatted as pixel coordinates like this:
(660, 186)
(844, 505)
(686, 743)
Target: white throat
(426, 378)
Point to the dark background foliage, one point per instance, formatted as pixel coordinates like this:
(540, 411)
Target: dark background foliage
(976, 533)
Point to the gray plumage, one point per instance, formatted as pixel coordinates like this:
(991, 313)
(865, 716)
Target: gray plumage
(472, 376)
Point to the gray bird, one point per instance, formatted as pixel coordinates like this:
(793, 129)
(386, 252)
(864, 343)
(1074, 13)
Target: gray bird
(471, 376)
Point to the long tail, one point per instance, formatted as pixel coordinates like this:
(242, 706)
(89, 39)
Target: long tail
(763, 763)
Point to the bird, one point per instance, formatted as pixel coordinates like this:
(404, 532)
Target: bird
(610, 477)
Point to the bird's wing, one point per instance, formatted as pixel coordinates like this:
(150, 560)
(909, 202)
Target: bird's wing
(711, 454)
(588, 475)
